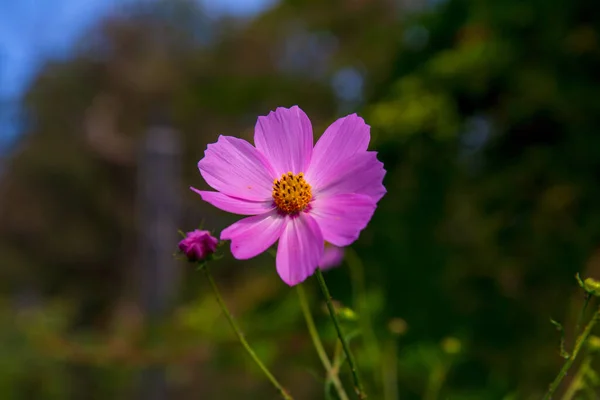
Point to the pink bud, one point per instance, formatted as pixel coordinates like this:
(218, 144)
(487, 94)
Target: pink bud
(198, 245)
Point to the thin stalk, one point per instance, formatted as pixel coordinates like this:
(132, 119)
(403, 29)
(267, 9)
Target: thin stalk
(436, 379)
(581, 339)
(357, 383)
(364, 313)
(314, 335)
(241, 337)
(578, 381)
(588, 296)
(338, 357)
(389, 368)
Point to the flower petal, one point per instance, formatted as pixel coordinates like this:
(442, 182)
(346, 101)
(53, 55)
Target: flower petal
(332, 257)
(341, 217)
(254, 235)
(360, 174)
(344, 138)
(234, 167)
(285, 138)
(235, 205)
(300, 249)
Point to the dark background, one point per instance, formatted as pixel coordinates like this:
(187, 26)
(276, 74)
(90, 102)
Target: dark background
(485, 114)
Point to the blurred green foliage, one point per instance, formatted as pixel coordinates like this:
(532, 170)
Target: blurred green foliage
(485, 115)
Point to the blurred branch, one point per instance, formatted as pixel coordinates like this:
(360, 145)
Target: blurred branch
(436, 379)
(390, 370)
(332, 373)
(581, 339)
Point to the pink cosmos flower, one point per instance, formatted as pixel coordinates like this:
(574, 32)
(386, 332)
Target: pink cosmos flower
(295, 193)
(332, 257)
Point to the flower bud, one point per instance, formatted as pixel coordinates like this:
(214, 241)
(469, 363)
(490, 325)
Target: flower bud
(347, 314)
(592, 286)
(198, 245)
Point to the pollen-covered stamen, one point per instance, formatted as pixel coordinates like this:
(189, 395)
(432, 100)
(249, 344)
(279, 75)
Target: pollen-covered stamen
(291, 193)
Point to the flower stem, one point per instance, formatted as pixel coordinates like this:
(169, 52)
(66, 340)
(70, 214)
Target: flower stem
(357, 272)
(357, 384)
(578, 381)
(582, 314)
(389, 367)
(241, 337)
(436, 379)
(581, 339)
(310, 323)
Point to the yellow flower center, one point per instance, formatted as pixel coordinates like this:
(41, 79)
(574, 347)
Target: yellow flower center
(291, 193)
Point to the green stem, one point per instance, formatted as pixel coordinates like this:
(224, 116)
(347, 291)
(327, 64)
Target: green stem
(578, 381)
(312, 329)
(241, 337)
(357, 384)
(436, 379)
(338, 357)
(569, 362)
(582, 314)
(366, 322)
(389, 368)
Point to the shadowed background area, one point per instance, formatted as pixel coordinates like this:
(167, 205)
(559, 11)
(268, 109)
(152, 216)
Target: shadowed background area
(484, 113)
